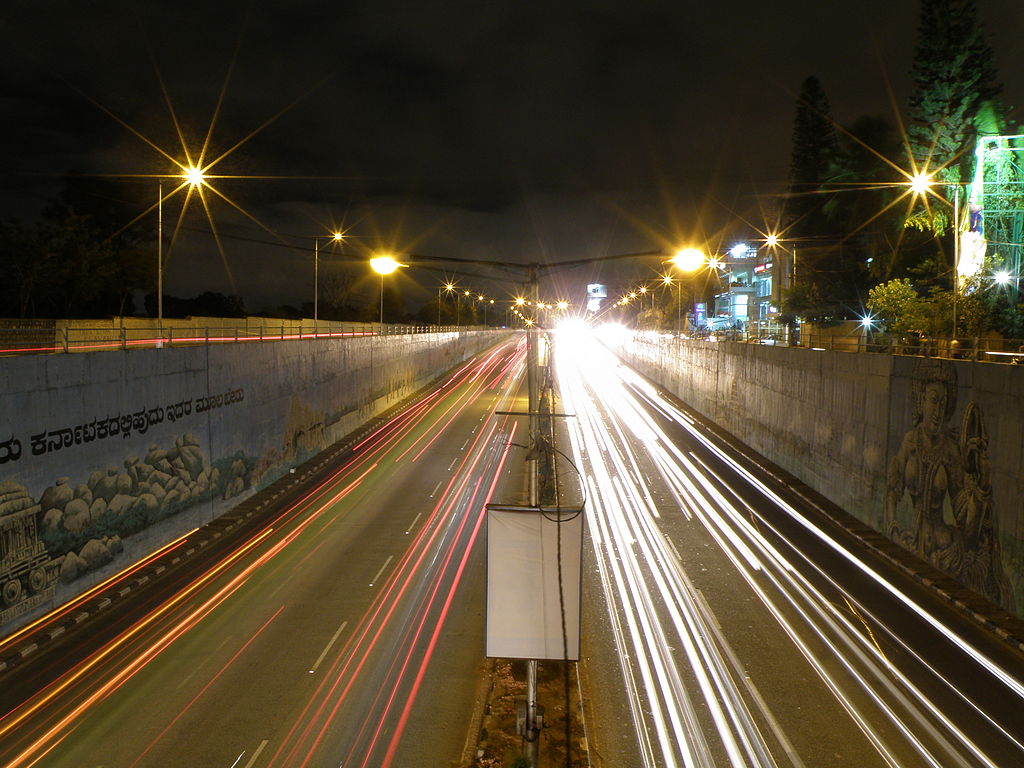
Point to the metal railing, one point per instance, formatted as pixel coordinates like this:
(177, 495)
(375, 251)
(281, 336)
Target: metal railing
(66, 336)
(980, 349)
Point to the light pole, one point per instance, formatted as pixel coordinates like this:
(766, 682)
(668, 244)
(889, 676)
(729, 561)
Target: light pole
(194, 177)
(383, 265)
(336, 237)
(686, 260)
(447, 288)
(921, 184)
(160, 257)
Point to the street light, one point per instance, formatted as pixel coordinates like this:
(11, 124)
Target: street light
(383, 265)
(689, 259)
(921, 183)
(194, 177)
(686, 260)
(336, 237)
(447, 288)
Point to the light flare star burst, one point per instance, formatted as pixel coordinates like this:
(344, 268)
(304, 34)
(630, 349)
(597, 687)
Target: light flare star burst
(193, 169)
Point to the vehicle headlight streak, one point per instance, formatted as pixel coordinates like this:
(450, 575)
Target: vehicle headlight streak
(634, 559)
(639, 577)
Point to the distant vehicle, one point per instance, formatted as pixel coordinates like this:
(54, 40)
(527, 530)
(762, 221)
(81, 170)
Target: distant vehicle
(771, 339)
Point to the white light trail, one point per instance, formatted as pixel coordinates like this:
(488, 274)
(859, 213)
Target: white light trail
(654, 608)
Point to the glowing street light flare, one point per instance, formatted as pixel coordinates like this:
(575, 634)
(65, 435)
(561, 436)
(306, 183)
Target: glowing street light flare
(194, 176)
(384, 265)
(688, 259)
(920, 183)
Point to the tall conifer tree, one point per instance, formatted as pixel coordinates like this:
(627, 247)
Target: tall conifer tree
(954, 78)
(814, 149)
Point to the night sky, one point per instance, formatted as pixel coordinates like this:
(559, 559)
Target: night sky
(505, 131)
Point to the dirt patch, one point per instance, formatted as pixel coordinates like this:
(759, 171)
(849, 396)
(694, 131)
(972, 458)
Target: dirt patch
(499, 746)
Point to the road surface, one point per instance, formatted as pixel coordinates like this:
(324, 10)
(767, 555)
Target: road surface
(345, 628)
(730, 623)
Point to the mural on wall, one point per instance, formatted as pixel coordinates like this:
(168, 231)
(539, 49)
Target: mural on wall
(939, 501)
(302, 436)
(28, 573)
(75, 528)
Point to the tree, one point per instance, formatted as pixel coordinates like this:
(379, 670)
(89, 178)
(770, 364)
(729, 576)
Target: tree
(27, 274)
(814, 149)
(898, 306)
(955, 90)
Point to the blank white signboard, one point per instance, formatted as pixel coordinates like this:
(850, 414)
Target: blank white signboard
(523, 613)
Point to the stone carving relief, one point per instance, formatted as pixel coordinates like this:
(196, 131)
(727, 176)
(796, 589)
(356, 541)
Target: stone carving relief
(939, 500)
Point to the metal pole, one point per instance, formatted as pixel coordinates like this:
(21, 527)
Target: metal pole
(956, 252)
(382, 301)
(679, 307)
(438, 307)
(533, 407)
(160, 256)
(316, 279)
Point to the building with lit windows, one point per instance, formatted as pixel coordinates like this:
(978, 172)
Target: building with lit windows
(751, 281)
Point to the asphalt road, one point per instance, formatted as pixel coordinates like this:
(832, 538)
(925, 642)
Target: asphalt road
(344, 627)
(729, 622)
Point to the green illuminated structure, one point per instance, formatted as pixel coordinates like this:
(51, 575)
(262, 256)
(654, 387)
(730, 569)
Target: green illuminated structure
(997, 194)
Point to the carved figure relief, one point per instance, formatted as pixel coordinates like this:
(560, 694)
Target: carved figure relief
(938, 492)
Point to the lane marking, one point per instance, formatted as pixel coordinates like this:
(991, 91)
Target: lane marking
(434, 491)
(326, 649)
(453, 462)
(464, 445)
(413, 524)
(256, 754)
(240, 756)
(390, 558)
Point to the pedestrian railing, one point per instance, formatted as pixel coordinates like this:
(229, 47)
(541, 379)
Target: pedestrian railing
(981, 349)
(58, 337)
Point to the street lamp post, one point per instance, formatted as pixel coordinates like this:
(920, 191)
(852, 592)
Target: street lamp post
(160, 258)
(383, 265)
(194, 177)
(336, 237)
(687, 260)
(448, 288)
(921, 184)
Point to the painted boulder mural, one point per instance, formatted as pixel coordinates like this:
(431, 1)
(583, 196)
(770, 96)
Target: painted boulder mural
(78, 525)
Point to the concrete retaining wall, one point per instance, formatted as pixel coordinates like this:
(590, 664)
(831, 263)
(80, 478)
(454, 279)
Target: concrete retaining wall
(106, 456)
(929, 452)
